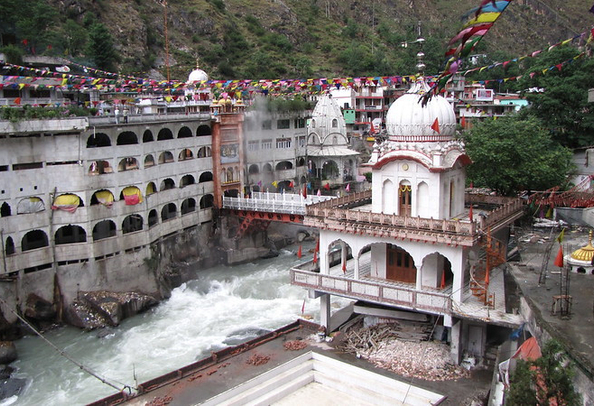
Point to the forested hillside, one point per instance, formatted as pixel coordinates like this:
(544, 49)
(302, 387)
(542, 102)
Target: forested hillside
(272, 39)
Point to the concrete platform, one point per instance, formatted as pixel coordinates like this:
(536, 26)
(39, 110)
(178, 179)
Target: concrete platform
(221, 380)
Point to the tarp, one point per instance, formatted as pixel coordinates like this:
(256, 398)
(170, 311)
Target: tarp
(132, 195)
(67, 202)
(104, 197)
(30, 205)
(528, 351)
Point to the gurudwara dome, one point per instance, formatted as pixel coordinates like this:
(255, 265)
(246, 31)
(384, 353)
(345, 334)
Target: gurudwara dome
(197, 75)
(408, 117)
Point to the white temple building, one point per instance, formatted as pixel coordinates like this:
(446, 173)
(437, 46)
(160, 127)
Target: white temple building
(413, 242)
(330, 161)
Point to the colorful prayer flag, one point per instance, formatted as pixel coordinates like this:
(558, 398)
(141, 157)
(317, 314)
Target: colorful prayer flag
(561, 236)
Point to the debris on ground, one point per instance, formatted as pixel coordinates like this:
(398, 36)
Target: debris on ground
(160, 401)
(404, 350)
(258, 359)
(295, 345)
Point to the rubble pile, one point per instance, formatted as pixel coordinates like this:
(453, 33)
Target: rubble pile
(257, 359)
(403, 352)
(295, 345)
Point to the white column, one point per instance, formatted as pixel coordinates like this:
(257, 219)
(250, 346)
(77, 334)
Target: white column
(325, 311)
(456, 341)
(356, 276)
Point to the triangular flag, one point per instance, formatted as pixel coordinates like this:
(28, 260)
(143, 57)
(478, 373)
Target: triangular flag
(291, 184)
(315, 258)
(443, 280)
(435, 126)
(559, 259)
(303, 307)
(327, 186)
(305, 191)
(471, 217)
(463, 122)
(344, 267)
(299, 254)
(319, 192)
(348, 187)
(317, 245)
(275, 184)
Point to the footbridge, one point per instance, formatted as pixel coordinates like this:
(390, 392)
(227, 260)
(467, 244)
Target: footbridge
(259, 209)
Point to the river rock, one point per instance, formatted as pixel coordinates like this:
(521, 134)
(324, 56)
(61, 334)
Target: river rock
(102, 308)
(8, 352)
(11, 387)
(39, 308)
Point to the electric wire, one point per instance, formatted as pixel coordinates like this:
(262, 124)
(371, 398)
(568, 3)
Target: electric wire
(63, 353)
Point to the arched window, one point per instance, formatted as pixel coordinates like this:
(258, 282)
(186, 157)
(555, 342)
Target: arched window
(167, 184)
(70, 234)
(230, 174)
(150, 188)
(165, 157)
(204, 152)
(404, 198)
(206, 201)
(284, 165)
(313, 123)
(104, 197)
(153, 218)
(165, 134)
(205, 177)
(186, 180)
(31, 204)
(132, 223)
(267, 168)
(98, 140)
(168, 212)
(253, 169)
(99, 168)
(104, 229)
(5, 210)
(34, 239)
(334, 140)
(9, 246)
(184, 132)
(128, 164)
(334, 123)
(149, 161)
(185, 154)
(203, 130)
(188, 206)
(148, 136)
(127, 138)
(301, 162)
(131, 195)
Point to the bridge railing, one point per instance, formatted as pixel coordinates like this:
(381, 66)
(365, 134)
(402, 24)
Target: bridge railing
(273, 202)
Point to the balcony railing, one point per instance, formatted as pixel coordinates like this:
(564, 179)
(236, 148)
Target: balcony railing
(374, 291)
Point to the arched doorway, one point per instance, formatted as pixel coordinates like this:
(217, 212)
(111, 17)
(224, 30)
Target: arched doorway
(404, 198)
(400, 266)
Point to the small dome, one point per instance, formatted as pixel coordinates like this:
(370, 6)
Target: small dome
(408, 117)
(197, 75)
(585, 253)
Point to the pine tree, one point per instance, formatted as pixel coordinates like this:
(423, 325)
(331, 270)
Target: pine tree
(101, 47)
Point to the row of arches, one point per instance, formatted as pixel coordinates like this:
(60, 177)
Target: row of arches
(35, 204)
(280, 166)
(98, 140)
(72, 234)
(394, 263)
(101, 167)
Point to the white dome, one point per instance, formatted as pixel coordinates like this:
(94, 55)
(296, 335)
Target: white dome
(408, 117)
(197, 75)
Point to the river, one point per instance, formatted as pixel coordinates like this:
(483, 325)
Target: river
(222, 305)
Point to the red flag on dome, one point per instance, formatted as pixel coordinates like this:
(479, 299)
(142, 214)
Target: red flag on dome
(435, 126)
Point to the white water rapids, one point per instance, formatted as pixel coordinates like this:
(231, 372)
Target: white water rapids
(198, 318)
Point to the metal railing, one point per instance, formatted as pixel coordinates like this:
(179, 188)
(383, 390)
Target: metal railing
(273, 202)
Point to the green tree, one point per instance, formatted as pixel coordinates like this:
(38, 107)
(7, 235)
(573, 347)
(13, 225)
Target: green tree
(511, 154)
(100, 47)
(545, 381)
(563, 105)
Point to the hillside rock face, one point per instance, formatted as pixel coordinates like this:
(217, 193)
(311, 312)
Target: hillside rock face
(102, 309)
